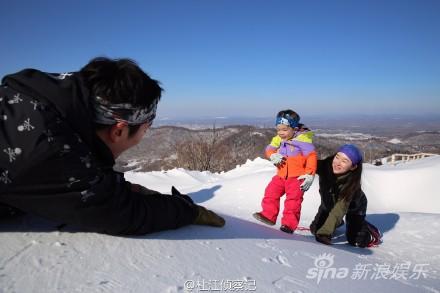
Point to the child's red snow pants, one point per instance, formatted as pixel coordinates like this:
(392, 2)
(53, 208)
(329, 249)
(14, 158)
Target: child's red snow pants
(292, 205)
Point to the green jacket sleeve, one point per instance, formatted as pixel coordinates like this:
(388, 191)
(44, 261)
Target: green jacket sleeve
(334, 218)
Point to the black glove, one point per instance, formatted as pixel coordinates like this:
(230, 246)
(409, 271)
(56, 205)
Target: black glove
(313, 228)
(324, 239)
(204, 216)
(209, 218)
(362, 238)
(185, 197)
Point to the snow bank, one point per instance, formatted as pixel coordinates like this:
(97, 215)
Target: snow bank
(409, 187)
(244, 255)
(400, 188)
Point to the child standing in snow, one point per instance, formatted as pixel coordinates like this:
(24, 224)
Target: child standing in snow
(341, 195)
(292, 151)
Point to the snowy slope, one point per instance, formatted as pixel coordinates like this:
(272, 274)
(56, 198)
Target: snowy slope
(244, 255)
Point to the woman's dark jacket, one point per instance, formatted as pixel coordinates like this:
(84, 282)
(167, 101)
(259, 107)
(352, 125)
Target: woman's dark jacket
(330, 187)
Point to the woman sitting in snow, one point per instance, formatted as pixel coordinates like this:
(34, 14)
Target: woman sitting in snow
(341, 195)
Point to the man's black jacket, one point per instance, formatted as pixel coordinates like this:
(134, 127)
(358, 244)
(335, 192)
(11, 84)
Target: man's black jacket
(52, 163)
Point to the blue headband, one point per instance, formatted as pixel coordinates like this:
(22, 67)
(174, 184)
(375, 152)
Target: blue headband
(352, 152)
(287, 120)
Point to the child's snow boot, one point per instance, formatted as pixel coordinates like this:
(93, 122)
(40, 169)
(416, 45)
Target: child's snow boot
(263, 219)
(286, 229)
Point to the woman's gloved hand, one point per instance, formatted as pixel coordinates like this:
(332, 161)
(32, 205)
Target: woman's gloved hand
(324, 239)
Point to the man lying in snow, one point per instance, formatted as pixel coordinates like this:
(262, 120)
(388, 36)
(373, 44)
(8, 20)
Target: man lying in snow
(59, 137)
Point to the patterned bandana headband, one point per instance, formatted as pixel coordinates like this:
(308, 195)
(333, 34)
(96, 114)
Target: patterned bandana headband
(107, 113)
(287, 120)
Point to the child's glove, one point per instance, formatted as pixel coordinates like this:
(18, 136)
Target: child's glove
(276, 159)
(308, 180)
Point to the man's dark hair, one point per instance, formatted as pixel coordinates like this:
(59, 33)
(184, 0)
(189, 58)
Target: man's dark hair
(120, 81)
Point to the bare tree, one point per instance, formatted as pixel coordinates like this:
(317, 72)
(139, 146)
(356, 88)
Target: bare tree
(203, 152)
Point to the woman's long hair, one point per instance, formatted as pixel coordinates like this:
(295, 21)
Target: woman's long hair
(353, 184)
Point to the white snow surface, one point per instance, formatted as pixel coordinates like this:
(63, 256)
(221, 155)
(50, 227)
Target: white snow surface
(347, 135)
(245, 255)
(395, 141)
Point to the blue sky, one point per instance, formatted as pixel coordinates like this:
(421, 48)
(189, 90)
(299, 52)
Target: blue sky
(244, 58)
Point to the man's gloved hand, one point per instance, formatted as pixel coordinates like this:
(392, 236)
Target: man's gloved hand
(277, 159)
(204, 216)
(307, 181)
(324, 239)
(185, 197)
(209, 218)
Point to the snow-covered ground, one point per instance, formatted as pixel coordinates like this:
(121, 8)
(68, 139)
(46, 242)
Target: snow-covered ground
(245, 255)
(395, 141)
(347, 135)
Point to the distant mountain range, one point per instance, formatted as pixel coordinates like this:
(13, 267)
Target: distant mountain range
(391, 124)
(224, 147)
